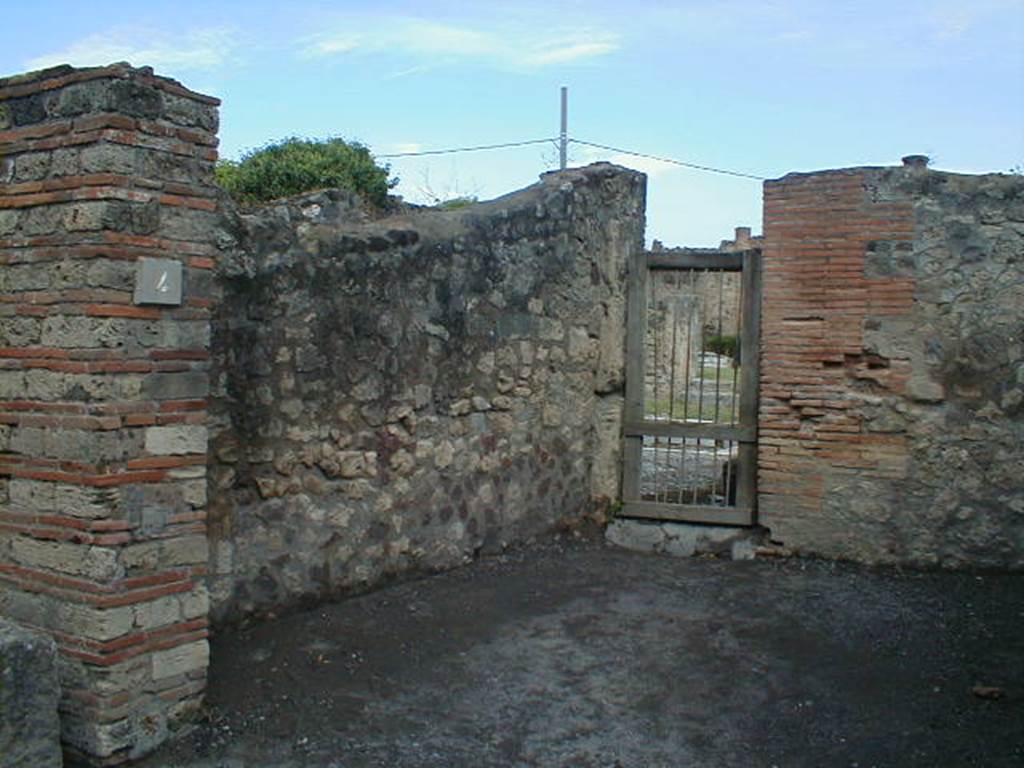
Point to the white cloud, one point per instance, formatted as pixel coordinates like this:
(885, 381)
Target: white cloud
(429, 38)
(950, 23)
(331, 46)
(195, 50)
(571, 53)
(515, 48)
(408, 71)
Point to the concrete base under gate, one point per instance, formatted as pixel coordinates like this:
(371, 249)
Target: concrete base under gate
(684, 539)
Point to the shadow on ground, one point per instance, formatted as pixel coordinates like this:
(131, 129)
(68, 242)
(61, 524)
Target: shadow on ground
(576, 655)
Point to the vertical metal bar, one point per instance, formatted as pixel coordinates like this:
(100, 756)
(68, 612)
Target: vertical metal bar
(738, 334)
(672, 364)
(700, 370)
(700, 400)
(750, 353)
(563, 136)
(674, 311)
(656, 328)
(636, 339)
(718, 357)
(689, 348)
(728, 474)
(686, 383)
(718, 374)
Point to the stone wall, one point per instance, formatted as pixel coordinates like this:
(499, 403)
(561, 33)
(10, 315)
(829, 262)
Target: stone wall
(29, 692)
(396, 394)
(102, 401)
(893, 366)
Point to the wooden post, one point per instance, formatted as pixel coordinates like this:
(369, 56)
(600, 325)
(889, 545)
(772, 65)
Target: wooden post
(750, 359)
(636, 332)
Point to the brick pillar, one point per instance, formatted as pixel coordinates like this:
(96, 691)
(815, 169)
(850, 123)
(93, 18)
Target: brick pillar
(828, 478)
(103, 398)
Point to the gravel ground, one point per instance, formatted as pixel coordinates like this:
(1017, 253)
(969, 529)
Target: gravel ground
(573, 654)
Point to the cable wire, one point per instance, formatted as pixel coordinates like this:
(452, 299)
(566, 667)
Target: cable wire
(694, 166)
(511, 144)
(466, 149)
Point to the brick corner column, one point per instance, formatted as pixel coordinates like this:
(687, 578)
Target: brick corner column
(103, 398)
(827, 476)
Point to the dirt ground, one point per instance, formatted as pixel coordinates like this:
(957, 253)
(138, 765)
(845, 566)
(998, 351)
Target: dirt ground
(573, 654)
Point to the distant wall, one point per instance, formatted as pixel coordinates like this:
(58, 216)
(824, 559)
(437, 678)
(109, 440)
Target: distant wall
(892, 394)
(397, 394)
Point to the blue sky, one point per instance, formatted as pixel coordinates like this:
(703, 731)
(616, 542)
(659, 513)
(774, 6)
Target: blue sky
(760, 87)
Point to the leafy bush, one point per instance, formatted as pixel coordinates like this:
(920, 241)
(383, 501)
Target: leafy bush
(454, 203)
(729, 346)
(293, 166)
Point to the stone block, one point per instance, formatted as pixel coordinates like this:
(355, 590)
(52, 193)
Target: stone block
(157, 613)
(635, 535)
(29, 695)
(176, 386)
(94, 563)
(195, 604)
(179, 439)
(181, 660)
(108, 158)
(8, 221)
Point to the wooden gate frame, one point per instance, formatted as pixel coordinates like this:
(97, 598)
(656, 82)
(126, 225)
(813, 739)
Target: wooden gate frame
(636, 426)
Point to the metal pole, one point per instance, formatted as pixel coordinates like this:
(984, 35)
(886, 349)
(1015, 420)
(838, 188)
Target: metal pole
(563, 138)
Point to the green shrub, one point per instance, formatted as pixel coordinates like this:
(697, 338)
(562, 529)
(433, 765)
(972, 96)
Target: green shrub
(455, 203)
(293, 166)
(729, 346)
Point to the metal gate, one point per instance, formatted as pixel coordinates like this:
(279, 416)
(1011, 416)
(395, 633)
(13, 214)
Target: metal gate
(692, 346)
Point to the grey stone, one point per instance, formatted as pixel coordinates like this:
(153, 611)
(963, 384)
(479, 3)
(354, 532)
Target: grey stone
(29, 694)
(178, 439)
(108, 158)
(176, 386)
(636, 535)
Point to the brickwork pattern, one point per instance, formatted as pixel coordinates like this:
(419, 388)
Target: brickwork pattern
(816, 299)
(891, 363)
(102, 402)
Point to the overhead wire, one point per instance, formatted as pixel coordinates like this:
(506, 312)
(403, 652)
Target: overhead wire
(465, 149)
(673, 161)
(618, 150)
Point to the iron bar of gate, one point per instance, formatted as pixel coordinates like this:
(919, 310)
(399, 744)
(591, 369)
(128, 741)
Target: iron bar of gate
(718, 377)
(656, 369)
(700, 397)
(686, 381)
(672, 386)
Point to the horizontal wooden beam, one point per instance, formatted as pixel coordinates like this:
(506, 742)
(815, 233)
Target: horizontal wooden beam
(721, 261)
(649, 428)
(688, 513)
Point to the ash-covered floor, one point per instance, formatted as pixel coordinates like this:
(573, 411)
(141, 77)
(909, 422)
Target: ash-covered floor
(573, 654)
